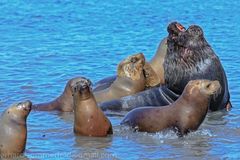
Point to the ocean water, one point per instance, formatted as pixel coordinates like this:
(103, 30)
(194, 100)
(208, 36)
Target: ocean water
(45, 43)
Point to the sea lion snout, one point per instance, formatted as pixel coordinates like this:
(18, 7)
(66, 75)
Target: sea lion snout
(27, 105)
(138, 58)
(81, 85)
(214, 87)
(180, 27)
(207, 86)
(174, 29)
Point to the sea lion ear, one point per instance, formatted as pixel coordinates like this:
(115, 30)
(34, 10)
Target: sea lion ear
(151, 77)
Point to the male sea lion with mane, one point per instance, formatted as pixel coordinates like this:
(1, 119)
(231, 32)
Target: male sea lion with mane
(13, 129)
(184, 115)
(193, 58)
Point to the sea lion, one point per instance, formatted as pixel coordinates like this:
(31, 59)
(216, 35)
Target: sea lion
(13, 129)
(89, 120)
(184, 115)
(188, 57)
(130, 79)
(62, 103)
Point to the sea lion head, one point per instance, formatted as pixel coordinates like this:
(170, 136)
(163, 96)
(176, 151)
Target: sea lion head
(18, 112)
(82, 88)
(174, 29)
(132, 67)
(204, 88)
(192, 38)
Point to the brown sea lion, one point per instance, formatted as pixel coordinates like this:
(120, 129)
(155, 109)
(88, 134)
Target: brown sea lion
(13, 129)
(89, 120)
(130, 79)
(188, 57)
(184, 115)
(62, 103)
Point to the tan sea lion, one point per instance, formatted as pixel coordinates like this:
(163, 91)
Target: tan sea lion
(62, 103)
(89, 120)
(184, 115)
(130, 79)
(13, 129)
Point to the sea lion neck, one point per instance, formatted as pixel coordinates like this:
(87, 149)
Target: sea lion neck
(196, 99)
(20, 120)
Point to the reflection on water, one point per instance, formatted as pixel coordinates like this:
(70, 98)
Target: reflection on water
(44, 44)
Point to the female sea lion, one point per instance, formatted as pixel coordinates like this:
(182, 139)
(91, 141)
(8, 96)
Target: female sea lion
(89, 120)
(62, 103)
(184, 115)
(188, 57)
(13, 129)
(130, 79)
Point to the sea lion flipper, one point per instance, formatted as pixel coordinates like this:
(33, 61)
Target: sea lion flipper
(111, 105)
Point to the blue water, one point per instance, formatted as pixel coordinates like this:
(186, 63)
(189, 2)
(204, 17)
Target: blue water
(45, 43)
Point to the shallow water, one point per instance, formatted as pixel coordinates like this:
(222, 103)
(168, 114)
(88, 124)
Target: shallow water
(44, 44)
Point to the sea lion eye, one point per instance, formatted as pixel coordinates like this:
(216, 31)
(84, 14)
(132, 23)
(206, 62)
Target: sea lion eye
(133, 60)
(208, 85)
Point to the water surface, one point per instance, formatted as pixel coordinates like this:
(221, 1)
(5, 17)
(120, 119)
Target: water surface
(45, 43)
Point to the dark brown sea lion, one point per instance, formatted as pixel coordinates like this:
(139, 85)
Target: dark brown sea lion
(188, 57)
(89, 120)
(193, 58)
(13, 129)
(130, 79)
(184, 115)
(62, 103)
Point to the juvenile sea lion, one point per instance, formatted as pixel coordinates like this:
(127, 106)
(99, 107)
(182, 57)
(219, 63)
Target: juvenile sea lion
(130, 79)
(89, 120)
(62, 103)
(13, 129)
(184, 115)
